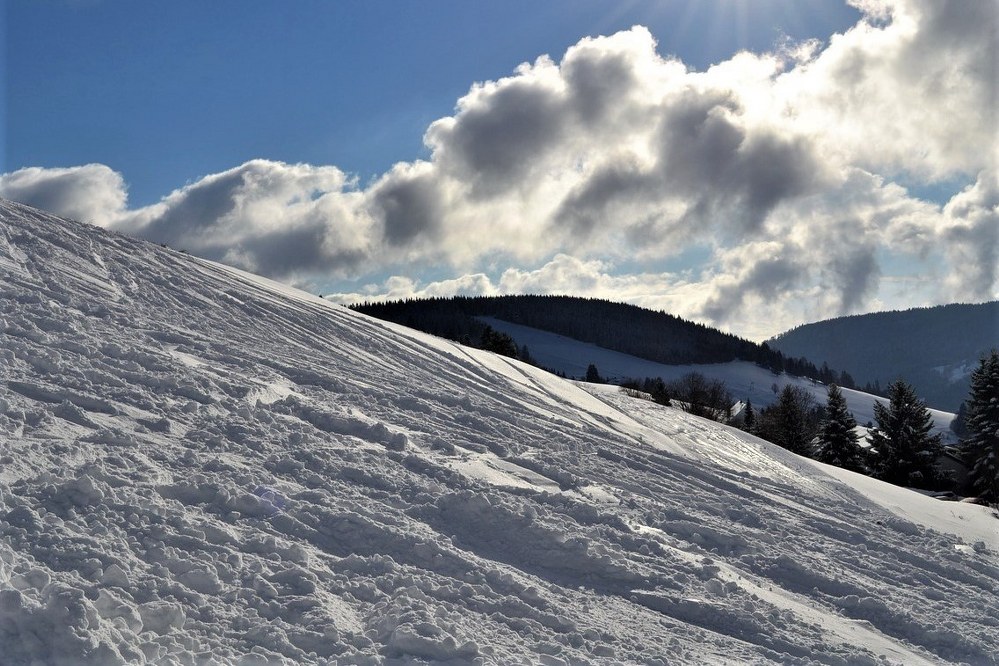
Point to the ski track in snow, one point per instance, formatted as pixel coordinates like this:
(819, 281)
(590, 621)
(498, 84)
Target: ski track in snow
(201, 466)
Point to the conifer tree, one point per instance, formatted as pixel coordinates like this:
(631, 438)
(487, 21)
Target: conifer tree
(838, 441)
(982, 424)
(593, 375)
(906, 451)
(498, 342)
(525, 355)
(790, 422)
(748, 417)
(959, 426)
(656, 387)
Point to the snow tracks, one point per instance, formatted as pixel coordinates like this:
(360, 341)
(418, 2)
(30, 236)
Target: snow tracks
(198, 466)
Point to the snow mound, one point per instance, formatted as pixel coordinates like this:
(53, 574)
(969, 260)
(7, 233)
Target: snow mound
(200, 466)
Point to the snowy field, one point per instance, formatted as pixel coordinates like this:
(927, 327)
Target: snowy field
(198, 466)
(745, 380)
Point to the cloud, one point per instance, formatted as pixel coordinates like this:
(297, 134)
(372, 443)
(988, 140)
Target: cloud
(277, 219)
(751, 274)
(973, 239)
(788, 170)
(562, 274)
(502, 130)
(93, 193)
(409, 203)
(729, 171)
(912, 88)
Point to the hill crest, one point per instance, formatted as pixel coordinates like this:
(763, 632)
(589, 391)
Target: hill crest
(648, 334)
(933, 348)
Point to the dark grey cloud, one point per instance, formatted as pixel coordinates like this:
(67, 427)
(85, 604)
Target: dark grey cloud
(727, 176)
(497, 139)
(599, 81)
(854, 276)
(766, 277)
(506, 133)
(699, 138)
(194, 216)
(772, 168)
(978, 247)
(408, 202)
(305, 249)
(733, 176)
(276, 219)
(590, 205)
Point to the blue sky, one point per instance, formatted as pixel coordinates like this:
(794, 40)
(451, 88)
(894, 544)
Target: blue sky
(168, 92)
(193, 109)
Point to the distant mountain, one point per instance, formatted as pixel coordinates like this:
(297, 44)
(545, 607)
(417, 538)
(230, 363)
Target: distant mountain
(647, 334)
(935, 349)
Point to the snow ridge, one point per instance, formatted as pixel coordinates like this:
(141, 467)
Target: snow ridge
(200, 466)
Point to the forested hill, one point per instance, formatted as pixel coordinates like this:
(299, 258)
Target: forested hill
(934, 349)
(647, 334)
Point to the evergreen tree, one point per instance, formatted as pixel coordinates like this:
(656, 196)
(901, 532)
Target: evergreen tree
(592, 375)
(525, 355)
(656, 387)
(838, 442)
(498, 342)
(906, 452)
(748, 417)
(826, 375)
(791, 422)
(655, 336)
(846, 380)
(982, 424)
(959, 426)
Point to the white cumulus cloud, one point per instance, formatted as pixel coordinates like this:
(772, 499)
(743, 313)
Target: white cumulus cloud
(92, 193)
(788, 170)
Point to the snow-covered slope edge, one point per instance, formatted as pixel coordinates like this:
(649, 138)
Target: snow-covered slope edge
(196, 465)
(745, 380)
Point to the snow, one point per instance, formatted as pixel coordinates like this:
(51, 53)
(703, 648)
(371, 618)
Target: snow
(944, 517)
(200, 466)
(745, 380)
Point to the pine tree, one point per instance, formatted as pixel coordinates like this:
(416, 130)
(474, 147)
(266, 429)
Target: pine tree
(982, 424)
(846, 380)
(906, 451)
(657, 389)
(525, 355)
(592, 375)
(959, 426)
(748, 417)
(790, 422)
(837, 437)
(498, 342)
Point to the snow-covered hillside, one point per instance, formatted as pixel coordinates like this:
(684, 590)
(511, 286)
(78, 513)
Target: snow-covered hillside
(745, 380)
(935, 349)
(199, 466)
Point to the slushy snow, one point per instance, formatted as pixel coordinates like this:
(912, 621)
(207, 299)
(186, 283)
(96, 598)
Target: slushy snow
(199, 466)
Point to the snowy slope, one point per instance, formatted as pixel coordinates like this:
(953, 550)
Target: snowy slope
(199, 466)
(745, 380)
